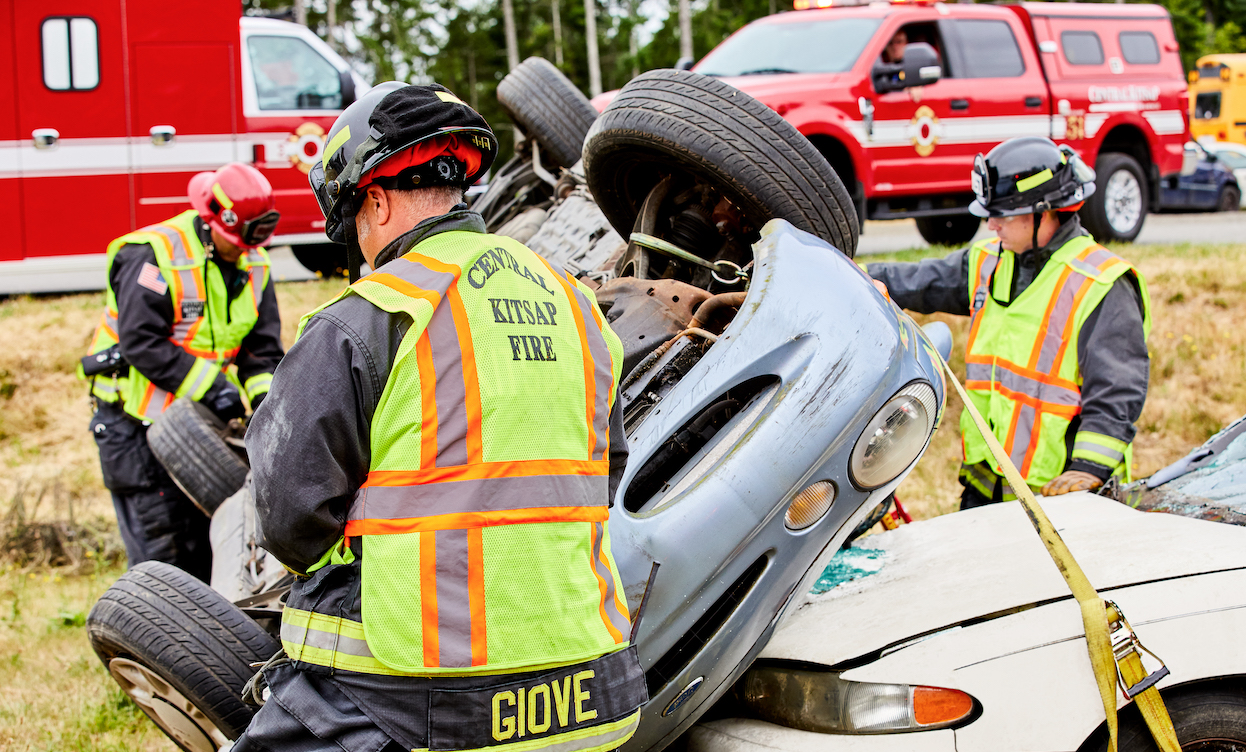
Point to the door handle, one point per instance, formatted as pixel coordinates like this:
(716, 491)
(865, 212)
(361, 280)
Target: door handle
(45, 138)
(960, 104)
(1033, 101)
(162, 135)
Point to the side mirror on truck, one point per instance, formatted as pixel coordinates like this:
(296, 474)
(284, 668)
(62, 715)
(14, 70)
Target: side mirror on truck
(920, 67)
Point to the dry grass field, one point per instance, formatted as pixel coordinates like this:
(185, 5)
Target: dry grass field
(54, 695)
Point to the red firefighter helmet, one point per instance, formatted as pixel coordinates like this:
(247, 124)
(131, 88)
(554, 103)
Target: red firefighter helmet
(236, 201)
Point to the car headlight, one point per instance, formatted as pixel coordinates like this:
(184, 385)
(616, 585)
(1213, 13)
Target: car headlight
(822, 701)
(894, 437)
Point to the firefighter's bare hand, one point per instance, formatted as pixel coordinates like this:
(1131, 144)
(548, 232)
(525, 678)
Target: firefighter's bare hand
(1070, 481)
(881, 288)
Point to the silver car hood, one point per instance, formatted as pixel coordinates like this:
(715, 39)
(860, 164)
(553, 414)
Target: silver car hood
(988, 562)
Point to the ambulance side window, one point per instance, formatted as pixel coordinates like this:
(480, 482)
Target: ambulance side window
(988, 49)
(71, 60)
(290, 75)
(1082, 47)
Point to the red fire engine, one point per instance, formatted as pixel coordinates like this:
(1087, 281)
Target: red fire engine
(1103, 78)
(116, 105)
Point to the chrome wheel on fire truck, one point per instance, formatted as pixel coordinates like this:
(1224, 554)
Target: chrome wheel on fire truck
(1117, 209)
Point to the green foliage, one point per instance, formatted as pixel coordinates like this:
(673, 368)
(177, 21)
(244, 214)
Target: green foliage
(1204, 27)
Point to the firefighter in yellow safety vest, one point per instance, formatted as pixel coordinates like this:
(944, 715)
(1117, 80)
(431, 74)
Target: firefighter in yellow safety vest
(436, 462)
(189, 311)
(1056, 357)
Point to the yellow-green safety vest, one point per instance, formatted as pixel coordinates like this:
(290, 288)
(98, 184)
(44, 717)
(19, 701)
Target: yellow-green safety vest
(483, 522)
(1021, 364)
(206, 323)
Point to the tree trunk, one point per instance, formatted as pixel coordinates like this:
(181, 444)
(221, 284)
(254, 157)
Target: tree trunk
(557, 17)
(471, 79)
(590, 31)
(300, 12)
(331, 21)
(512, 43)
(685, 29)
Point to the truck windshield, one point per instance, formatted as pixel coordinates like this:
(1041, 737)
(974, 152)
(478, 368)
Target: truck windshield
(820, 47)
(290, 75)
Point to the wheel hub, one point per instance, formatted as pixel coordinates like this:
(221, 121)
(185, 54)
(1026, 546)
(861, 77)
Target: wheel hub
(1123, 201)
(172, 712)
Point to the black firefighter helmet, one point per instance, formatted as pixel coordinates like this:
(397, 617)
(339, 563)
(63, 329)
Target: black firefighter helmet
(1029, 175)
(387, 121)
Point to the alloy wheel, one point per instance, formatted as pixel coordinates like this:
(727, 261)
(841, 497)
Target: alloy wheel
(172, 712)
(1123, 201)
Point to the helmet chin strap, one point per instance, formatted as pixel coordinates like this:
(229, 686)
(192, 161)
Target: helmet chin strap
(1038, 220)
(354, 255)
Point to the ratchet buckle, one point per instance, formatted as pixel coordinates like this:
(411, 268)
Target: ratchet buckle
(1125, 642)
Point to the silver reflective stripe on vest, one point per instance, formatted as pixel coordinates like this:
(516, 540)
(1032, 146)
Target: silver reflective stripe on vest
(1026, 417)
(1015, 382)
(155, 406)
(1107, 453)
(451, 389)
(177, 250)
(605, 740)
(257, 285)
(980, 293)
(482, 495)
(454, 613)
(618, 620)
(1054, 326)
(603, 374)
(315, 638)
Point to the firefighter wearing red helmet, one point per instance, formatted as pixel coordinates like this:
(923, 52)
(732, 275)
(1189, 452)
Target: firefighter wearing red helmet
(189, 311)
(1056, 357)
(436, 463)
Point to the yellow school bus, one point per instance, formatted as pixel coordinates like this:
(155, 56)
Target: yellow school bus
(1218, 98)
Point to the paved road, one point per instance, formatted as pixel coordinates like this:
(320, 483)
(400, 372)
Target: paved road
(1160, 229)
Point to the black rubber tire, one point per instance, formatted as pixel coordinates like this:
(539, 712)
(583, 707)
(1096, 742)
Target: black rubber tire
(1206, 720)
(1094, 214)
(186, 633)
(187, 439)
(1230, 199)
(668, 120)
(949, 229)
(325, 259)
(548, 108)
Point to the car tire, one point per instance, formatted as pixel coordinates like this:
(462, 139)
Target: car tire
(181, 651)
(667, 120)
(325, 259)
(189, 440)
(1207, 719)
(1118, 207)
(548, 108)
(949, 229)
(1230, 199)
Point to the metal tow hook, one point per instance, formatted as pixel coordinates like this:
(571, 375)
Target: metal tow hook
(674, 251)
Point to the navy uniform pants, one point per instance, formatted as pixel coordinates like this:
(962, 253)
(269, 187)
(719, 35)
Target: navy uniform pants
(156, 519)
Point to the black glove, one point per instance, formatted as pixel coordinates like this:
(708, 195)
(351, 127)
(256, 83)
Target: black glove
(256, 400)
(226, 403)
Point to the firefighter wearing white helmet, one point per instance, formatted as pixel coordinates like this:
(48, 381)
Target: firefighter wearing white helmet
(436, 462)
(1056, 357)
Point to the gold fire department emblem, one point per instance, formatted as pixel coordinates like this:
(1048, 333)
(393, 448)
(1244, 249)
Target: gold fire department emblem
(924, 131)
(305, 146)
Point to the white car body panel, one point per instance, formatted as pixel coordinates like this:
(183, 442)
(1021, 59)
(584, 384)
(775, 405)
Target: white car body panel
(1028, 669)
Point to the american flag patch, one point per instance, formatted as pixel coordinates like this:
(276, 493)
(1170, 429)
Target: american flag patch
(149, 277)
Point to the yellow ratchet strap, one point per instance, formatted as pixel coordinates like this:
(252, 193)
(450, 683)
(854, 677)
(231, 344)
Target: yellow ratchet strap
(1115, 652)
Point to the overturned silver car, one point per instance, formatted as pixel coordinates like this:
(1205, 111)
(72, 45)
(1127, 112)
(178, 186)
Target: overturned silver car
(772, 400)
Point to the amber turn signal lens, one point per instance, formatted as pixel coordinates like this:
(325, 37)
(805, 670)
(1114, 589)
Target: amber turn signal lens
(937, 706)
(809, 505)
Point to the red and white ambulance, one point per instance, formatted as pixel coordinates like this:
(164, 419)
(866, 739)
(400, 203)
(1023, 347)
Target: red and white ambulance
(1104, 78)
(117, 103)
